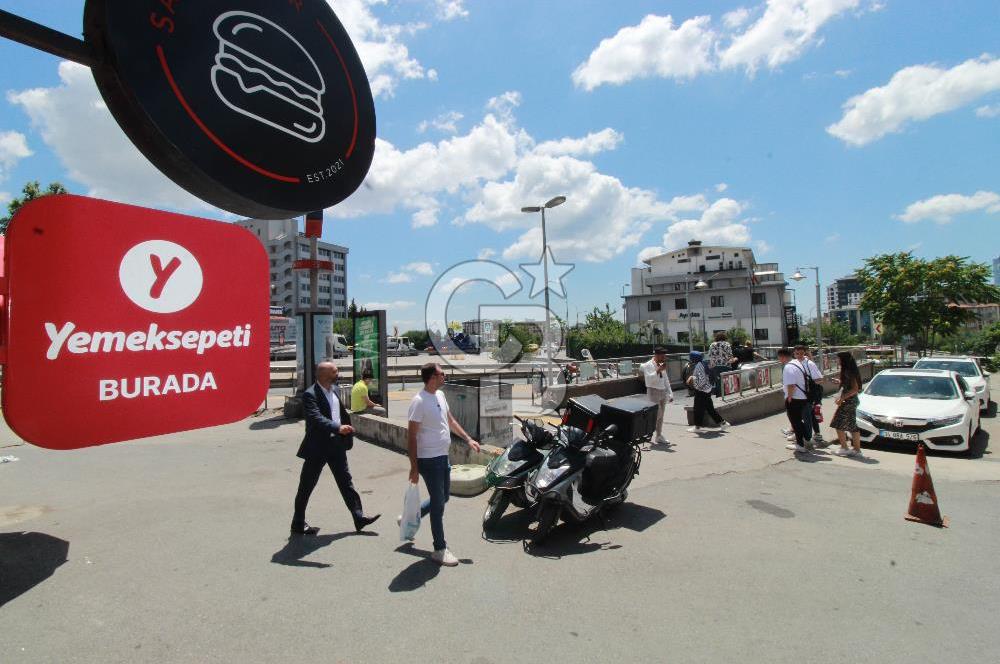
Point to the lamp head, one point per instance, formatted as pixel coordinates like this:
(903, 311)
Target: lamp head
(558, 200)
(701, 284)
(531, 208)
(798, 276)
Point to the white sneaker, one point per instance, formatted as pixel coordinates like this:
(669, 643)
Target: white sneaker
(790, 436)
(444, 557)
(801, 450)
(842, 452)
(787, 432)
(855, 453)
(694, 429)
(660, 440)
(725, 425)
(792, 446)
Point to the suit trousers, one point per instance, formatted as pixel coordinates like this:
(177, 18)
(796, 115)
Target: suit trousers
(311, 470)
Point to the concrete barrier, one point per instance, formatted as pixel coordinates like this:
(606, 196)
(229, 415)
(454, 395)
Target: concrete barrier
(769, 402)
(392, 435)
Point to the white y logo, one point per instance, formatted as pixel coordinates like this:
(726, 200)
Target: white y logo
(160, 276)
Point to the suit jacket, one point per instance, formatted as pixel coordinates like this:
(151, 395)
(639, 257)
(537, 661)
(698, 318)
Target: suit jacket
(322, 437)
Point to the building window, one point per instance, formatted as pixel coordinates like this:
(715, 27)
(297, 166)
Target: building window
(718, 301)
(653, 305)
(760, 334)
(682, 337)
(681, 303)
(701, 268)
(677, 287)
(759, 298)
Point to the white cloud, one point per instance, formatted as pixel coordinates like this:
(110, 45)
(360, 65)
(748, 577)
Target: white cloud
(945, 207)
(386, 58)
(832, 239)
(395, 304)
(451, 9)
(407, 272)
(785, 30)
(445, 123)
(655, 47)
(721, 187)
(4, 197)
(736, 18)
(913, 94)
(74, 122)
(606, 139)
(486, 254)
(13, 148)
(719, 223)
(988, 111)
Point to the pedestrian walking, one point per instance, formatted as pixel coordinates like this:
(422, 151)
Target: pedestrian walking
(702, 384)
(793, 384)
(746, 354)
(720, 360)
(845, 419)
(361, 402)
(329, 435)
(428, 441)
(802, 354)
(658, 387)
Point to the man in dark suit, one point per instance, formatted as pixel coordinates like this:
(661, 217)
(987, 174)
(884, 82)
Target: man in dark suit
(329, 435)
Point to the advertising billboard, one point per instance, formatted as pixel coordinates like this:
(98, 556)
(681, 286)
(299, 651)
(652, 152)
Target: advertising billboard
(370, 353)
(136, 322)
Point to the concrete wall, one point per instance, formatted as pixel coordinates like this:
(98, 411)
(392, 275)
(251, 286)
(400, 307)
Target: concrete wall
(391, 435)
(769, 402)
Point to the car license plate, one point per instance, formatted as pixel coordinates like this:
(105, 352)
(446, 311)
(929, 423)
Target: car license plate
(899, 435)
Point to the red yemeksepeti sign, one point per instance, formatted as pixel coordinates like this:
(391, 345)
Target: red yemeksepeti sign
(123, 322)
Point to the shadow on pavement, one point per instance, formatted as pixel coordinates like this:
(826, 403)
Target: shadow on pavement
(660, 447)
(27, 559)
(417, 575)
(271, 423)
(300, 546)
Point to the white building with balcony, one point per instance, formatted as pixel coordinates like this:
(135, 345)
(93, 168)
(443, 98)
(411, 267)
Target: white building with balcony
(290, 288)
(707, 289)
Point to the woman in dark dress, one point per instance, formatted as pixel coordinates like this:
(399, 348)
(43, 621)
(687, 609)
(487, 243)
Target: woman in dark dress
(844, 420)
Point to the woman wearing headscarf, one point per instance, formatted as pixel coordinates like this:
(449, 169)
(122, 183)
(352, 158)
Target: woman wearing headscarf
(702, 384)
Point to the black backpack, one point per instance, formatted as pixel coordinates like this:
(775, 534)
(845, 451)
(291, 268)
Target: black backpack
(814, 391)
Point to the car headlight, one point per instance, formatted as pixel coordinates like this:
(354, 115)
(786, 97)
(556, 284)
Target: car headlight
(946, 421)
(547, 476)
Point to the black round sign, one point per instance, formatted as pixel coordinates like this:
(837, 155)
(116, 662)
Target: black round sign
(259, 107)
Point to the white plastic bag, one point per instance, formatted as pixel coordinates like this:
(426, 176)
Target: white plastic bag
(410, 522)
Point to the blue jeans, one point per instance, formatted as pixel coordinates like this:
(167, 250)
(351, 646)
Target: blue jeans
(436, 472)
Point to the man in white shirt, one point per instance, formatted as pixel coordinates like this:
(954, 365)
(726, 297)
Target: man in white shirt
(428, 440)
(658, 387)
(793, 384)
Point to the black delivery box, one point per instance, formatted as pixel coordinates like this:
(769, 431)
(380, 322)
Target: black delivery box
(583, 409)
(635, 418)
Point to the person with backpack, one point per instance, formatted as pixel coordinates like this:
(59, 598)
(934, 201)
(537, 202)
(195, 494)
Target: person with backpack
(814, 391)
(794, 384)
(700, 380)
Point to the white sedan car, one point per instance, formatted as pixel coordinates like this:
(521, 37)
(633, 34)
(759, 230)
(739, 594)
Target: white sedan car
(929, 406)
(968, 369)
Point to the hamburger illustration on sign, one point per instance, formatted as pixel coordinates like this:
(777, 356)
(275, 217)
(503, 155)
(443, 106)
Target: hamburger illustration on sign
(289, 101)
(259, 107)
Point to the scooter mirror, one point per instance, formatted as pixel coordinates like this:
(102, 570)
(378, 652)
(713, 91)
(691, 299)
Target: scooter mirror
(611, 429)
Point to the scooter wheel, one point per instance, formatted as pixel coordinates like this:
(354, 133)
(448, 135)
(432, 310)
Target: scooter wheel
(548, 516)
(495, 508)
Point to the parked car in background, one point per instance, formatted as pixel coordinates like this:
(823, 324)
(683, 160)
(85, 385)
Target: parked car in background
(401, 346)
(968, 369)
(931, 406)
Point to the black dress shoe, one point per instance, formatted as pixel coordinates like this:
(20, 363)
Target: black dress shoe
(304, 529)
(359, 524)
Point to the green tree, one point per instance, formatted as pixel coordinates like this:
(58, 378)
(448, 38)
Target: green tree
(352, 309)
(922, 299)
(835, 333)
(29, 192)
(420, 338)
(737, 336)
(508, 330)
(344, 326)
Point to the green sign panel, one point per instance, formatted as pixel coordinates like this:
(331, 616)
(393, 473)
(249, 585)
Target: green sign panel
(370, 353)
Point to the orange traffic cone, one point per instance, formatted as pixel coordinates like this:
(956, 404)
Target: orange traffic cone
(923, 500)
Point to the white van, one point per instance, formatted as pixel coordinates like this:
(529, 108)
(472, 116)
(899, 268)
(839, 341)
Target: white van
(336, 346)
(400, 346)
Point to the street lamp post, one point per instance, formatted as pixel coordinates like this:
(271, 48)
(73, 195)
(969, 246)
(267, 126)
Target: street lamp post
(624, 303)
(798, 276)
(701, 285)
(558, 200)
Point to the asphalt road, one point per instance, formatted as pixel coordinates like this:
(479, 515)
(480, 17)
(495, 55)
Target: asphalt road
(175, 550)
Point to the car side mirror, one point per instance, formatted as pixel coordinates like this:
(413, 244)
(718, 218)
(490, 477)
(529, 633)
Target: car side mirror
(969, 396)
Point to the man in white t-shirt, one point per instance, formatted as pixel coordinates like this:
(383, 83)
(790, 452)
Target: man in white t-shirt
(793, 384)
(658, 387)
(428, 440)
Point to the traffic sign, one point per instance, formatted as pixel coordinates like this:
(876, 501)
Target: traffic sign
(260, 107)
(123, 322)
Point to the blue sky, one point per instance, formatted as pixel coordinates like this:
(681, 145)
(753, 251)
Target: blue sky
(818, 132)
